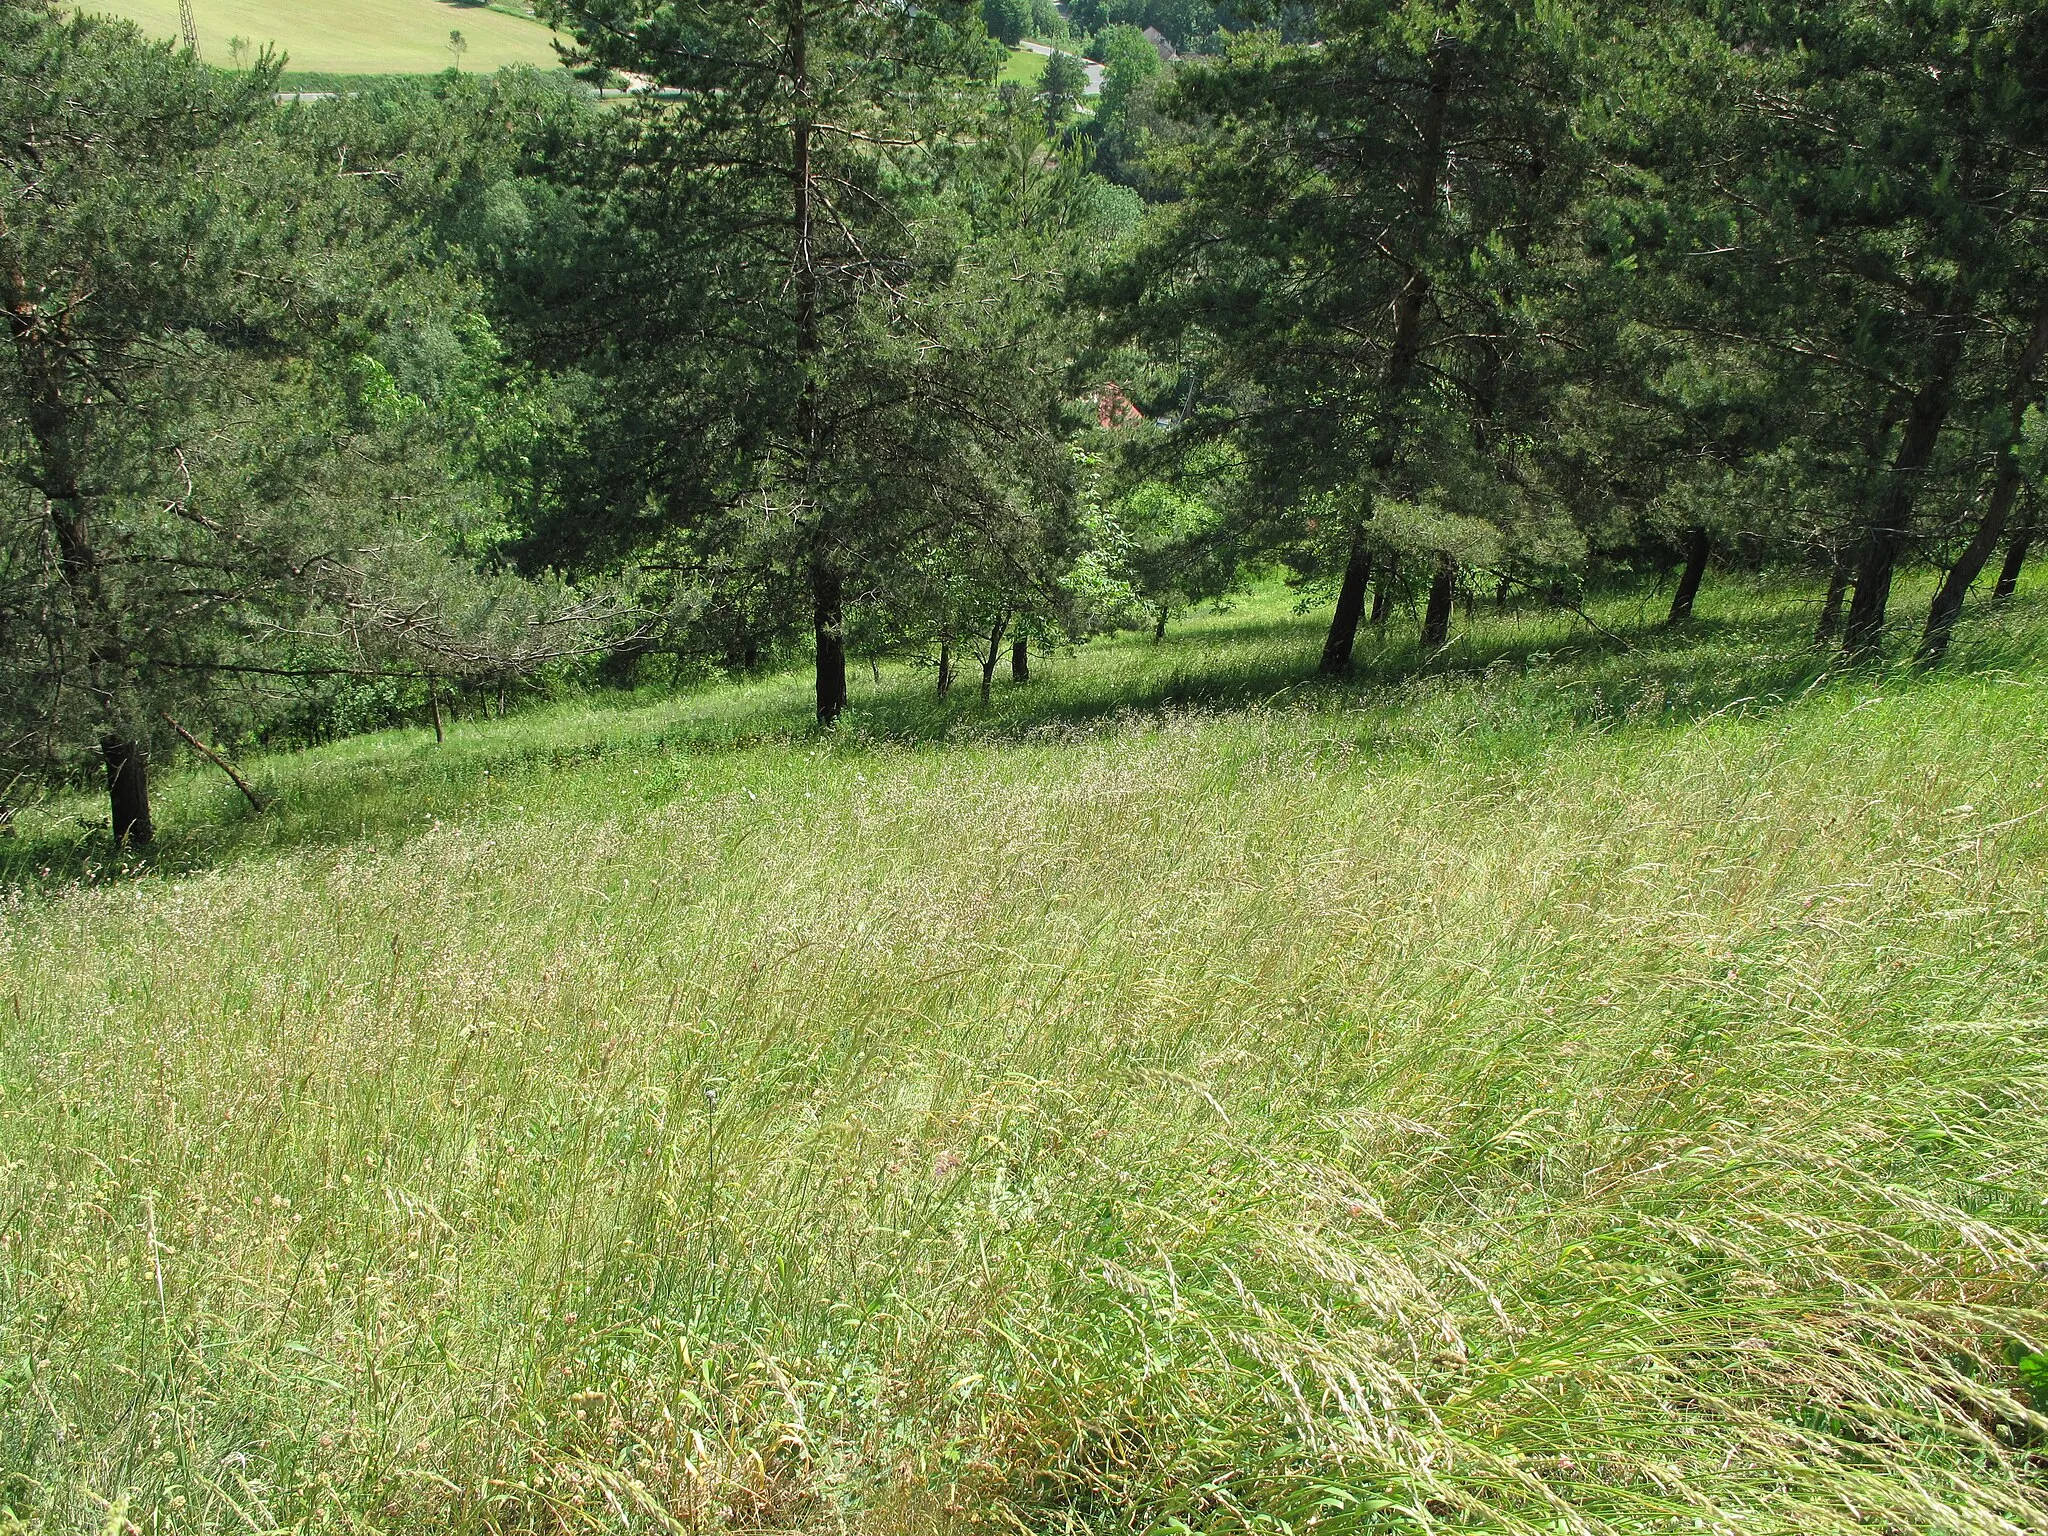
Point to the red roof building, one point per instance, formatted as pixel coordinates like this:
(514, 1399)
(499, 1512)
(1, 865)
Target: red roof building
(1113, 408)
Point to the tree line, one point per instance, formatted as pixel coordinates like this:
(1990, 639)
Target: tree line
(323, 411)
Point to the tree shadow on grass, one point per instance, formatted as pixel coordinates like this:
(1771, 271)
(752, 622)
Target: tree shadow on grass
(1531, 674)
(1606, 675)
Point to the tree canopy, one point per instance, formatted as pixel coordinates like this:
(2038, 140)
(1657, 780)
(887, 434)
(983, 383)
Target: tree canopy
(215, 476)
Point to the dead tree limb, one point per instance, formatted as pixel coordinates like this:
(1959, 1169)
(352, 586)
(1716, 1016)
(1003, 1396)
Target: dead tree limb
(218, 761)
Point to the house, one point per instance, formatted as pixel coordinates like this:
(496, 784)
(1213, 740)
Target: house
(1167, 52)
(1113, 408)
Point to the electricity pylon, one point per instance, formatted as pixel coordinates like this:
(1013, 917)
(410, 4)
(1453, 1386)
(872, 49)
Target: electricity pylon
(188, 26)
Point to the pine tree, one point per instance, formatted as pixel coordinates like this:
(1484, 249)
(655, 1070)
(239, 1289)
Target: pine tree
(1061, 89)
(1855, 213)
(218, 474)
(1354, 249)
(763, 257)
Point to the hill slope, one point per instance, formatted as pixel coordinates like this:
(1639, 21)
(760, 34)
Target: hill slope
(367, 37)
(1567, 1088)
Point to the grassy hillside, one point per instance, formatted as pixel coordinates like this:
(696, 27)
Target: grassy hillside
(1579, 1085)
(365, 37)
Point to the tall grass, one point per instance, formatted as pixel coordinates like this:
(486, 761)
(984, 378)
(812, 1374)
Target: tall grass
(1542, 1087)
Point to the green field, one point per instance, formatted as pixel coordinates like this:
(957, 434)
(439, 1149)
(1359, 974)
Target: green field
(365, 37)
(1577, 1083)
(1022, 67)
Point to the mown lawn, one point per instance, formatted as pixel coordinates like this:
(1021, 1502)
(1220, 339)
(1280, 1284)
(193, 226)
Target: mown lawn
(1022, 67)
(1570, 1083)
(366, 37)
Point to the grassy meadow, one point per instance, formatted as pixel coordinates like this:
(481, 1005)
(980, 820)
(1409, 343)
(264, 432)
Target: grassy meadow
(1575, 1082)
(358, 37)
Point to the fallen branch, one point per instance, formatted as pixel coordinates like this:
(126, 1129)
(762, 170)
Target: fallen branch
(218, 761)
(1568, 606)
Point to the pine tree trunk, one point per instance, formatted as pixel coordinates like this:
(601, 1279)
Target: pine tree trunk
(828, 601)
(128, 791)
(1831, 605)
(1892, 518)
(1500, 595)
(829, 621)
(59, 436)
(434, 703)
(1696, 552)
(1383, 594)
(1350, 606)
(988, 657)
(2015, 559)
(1411, 307)
(1436, 620)
(1947, 606)
(1159, 625)
(1841, 566)
(1020, 659)
(1948, 602)
(945, 666)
